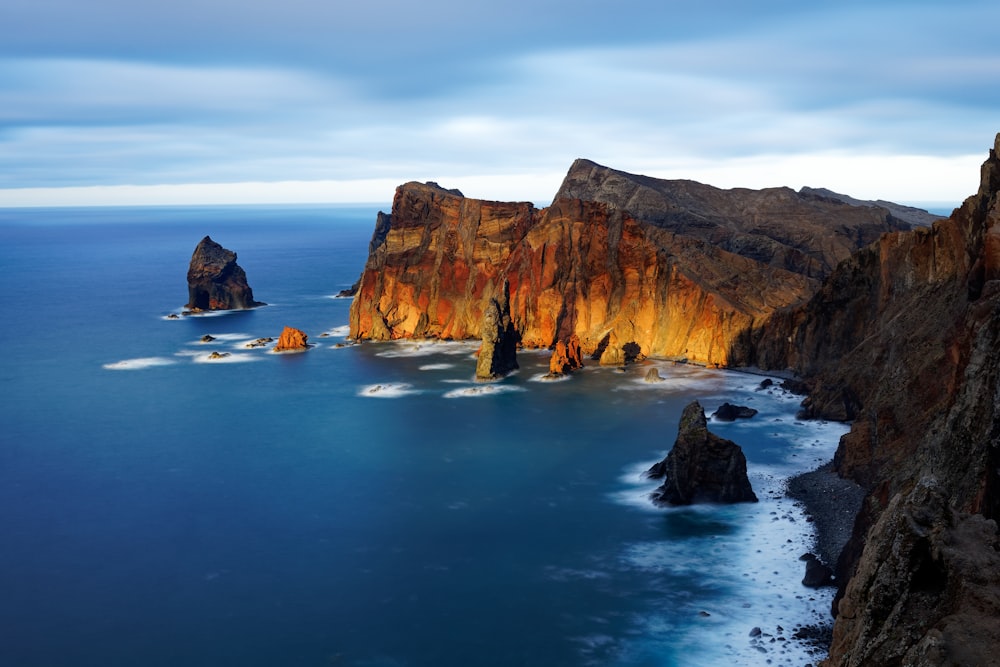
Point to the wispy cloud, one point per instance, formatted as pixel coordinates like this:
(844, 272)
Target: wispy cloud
(221, 92)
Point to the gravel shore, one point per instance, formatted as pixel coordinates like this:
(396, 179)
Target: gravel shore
(831, 503)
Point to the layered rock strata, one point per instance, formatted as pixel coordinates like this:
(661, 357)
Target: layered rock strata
(575, 267)
(701, 466)
(216, 281)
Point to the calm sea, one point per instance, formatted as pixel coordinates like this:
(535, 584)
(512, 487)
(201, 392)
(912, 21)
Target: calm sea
(359, 506)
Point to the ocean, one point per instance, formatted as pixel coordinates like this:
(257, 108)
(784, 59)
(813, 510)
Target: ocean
(366, 505)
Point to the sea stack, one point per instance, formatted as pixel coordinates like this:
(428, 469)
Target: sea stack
(498, 354)
(701, 467)
(566, 357)
(292, 340)
(216, 281)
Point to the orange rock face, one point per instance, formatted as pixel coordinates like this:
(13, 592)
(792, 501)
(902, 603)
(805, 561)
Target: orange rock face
(574, 268)
(291, 340)
(566, 356)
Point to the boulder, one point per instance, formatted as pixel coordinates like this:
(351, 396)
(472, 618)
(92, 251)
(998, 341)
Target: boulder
(728, 412)
(216, 281)
(498, 353)
(292, 340)
(701, 467)
(817, 574)
(653, 375)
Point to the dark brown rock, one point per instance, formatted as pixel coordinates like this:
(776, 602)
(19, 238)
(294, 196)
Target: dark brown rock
(701, 466)
(728, 412)
(216, 281)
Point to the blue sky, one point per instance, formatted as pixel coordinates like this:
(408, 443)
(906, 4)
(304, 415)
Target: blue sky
(108, 101)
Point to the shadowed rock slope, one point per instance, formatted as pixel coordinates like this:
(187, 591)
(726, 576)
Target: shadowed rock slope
(612, 272)
(904, 338)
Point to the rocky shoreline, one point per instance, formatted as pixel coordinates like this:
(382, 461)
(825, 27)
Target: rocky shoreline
(830, 503)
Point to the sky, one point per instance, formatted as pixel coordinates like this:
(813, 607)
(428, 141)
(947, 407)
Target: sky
(258, 101)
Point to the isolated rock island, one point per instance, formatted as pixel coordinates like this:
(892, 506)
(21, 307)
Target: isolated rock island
(886, 321)
(216, 281)
(701, 467)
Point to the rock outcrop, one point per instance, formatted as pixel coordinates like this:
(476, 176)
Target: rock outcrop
(498, 352)
(566, 357)
(216, 281)
(728, 412)
(701, 466)
(292, 340)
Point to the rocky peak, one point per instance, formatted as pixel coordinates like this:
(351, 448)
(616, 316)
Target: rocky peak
(776, 226)
(216, 281)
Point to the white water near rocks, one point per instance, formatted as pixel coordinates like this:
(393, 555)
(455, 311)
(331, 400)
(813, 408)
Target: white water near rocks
(157, 510)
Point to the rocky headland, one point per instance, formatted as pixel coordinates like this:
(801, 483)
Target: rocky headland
(216, 281)
(885, 321)
(604, 263)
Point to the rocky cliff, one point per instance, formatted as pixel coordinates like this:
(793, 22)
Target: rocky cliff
(904, 338)
(216, 281)
(612, 272)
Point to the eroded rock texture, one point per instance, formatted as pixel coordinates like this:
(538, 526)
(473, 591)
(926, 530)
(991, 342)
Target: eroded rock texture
(701, 466)
(498, 352)
(566, 357)
(292, 340)
(595, 270)
(904, 338)
(216, 281)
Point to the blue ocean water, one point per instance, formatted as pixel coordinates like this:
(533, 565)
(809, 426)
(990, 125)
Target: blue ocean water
(366, 505)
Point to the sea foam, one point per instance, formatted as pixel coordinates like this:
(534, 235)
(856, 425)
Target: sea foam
(138, 364)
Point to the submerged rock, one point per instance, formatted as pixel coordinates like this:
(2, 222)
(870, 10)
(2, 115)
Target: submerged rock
(728, 412)
(216, 281)
(653, 375)
(701, 467)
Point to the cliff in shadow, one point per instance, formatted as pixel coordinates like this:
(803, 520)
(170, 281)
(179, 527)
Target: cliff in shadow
(904, 338)
(610, 271)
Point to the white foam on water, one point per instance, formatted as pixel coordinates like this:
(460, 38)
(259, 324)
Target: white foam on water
(545, 377)
(138, 363)
(224, 358)
(436, 367)
(387, 390)
(755, 561)
(424, 348)
(310, 346)
(481, 390)
(342, 331)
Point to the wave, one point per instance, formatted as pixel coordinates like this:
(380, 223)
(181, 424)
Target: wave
(481, 390)
(138, 363)
(223, 358)
(436, 367)
(387, 390)
(398, 349)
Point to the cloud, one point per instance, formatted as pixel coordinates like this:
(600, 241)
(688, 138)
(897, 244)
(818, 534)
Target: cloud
(221, 92)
